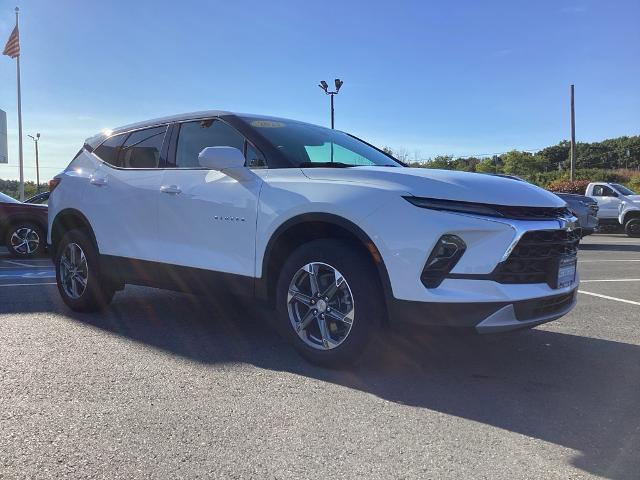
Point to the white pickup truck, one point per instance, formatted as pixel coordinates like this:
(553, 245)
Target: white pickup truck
(617, 206)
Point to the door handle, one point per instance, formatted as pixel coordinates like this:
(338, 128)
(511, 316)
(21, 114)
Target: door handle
(170, 189)
(98, 181)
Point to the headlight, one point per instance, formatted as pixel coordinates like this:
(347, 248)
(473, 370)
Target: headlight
(454, 206)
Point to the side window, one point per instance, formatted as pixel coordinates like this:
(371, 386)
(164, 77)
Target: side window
(196, 136)
(607, 192)
(255, 159)
(597, 191)
(142, 148)
(108, 150)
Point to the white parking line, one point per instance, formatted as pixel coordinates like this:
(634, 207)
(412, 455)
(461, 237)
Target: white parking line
(34, 266)
(612, 280)
(26, 284)
(13, 262)
(609, 298)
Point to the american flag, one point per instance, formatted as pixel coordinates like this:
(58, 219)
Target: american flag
(12, 48)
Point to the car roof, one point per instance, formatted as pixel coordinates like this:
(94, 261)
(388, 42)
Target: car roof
(95, 140)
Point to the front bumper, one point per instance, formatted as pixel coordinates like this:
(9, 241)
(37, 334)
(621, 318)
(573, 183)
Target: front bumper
(485, 317)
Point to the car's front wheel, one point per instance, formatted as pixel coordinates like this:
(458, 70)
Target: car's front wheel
(329, 302)
(25, 240)
(78, 275)
(632, 227)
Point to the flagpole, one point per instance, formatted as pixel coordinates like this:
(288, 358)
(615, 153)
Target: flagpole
(20, 121)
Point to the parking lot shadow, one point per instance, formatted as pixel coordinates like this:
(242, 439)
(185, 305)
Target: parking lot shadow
(607, 247)
(578, 392)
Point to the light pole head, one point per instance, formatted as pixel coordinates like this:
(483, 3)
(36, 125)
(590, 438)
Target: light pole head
(338, 83)
(323, 85)
(38, 135)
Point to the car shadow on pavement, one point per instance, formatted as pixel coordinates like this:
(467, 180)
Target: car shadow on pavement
(577, 392)
(606, 247)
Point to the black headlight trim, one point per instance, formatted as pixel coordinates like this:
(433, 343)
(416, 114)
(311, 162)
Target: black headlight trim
(514, 212)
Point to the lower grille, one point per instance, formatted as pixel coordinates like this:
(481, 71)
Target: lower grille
(536, 257)
(538, 308)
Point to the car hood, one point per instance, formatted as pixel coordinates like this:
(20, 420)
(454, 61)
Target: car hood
(443, 184)
(634, 198)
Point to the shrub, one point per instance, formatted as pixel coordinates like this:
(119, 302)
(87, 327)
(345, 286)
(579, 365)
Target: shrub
(634, 184)
(567, 186)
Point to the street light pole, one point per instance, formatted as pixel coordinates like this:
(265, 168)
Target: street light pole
(35, 141)
(324, 86)
(332, 112)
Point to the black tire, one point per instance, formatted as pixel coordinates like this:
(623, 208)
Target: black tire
(632, 228)
(36, 235)
(98, 292)
(362, 279)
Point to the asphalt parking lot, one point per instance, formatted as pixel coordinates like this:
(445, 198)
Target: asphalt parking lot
(166, 385)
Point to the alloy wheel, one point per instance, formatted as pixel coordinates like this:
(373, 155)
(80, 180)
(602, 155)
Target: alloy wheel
(25, 241)
(321, 306)
(74, 271)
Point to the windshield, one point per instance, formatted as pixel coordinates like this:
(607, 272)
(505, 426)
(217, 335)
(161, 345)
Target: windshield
(305, 145)
(623, 190)
(7, 199)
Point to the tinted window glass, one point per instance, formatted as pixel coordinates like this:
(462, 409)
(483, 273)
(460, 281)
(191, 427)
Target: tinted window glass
(109, 149)
(142, 148)
(254, 157)
(196, 136)
(306, 145)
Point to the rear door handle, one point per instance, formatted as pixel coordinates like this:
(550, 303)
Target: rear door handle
(98, 181)
(171, 189)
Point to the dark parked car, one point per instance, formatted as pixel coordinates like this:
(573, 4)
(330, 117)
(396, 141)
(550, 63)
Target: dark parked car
(23, 227)
(585, 208)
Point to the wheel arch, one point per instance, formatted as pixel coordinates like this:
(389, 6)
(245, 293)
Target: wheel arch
(628, 215)
(313, 226)
(66, 220)
(6, 224)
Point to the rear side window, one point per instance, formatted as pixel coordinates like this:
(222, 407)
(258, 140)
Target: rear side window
(196, 136)
(109, 149)
(142, 148)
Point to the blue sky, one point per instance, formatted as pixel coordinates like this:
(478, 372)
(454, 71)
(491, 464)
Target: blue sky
(458, 77)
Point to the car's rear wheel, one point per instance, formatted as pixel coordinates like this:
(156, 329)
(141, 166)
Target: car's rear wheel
(329, 302)
(25, 240)
(632, 227)
(78, 275)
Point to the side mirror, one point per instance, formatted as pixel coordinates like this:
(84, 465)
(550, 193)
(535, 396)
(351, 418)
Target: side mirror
(221, 158)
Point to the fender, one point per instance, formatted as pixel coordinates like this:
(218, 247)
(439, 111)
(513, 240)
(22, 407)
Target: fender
(262, 288)
(73, 218)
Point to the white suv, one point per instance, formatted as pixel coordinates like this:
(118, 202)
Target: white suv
(336, 235)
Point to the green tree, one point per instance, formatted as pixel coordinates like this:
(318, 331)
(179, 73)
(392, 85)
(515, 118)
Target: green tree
(521, 163)
(487, 165)
(444, 162)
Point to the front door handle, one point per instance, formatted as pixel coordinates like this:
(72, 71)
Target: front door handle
(170, 189)
(98, 181)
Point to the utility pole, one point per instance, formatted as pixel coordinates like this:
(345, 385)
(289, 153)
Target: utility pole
(573, 138)
(35, 140)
